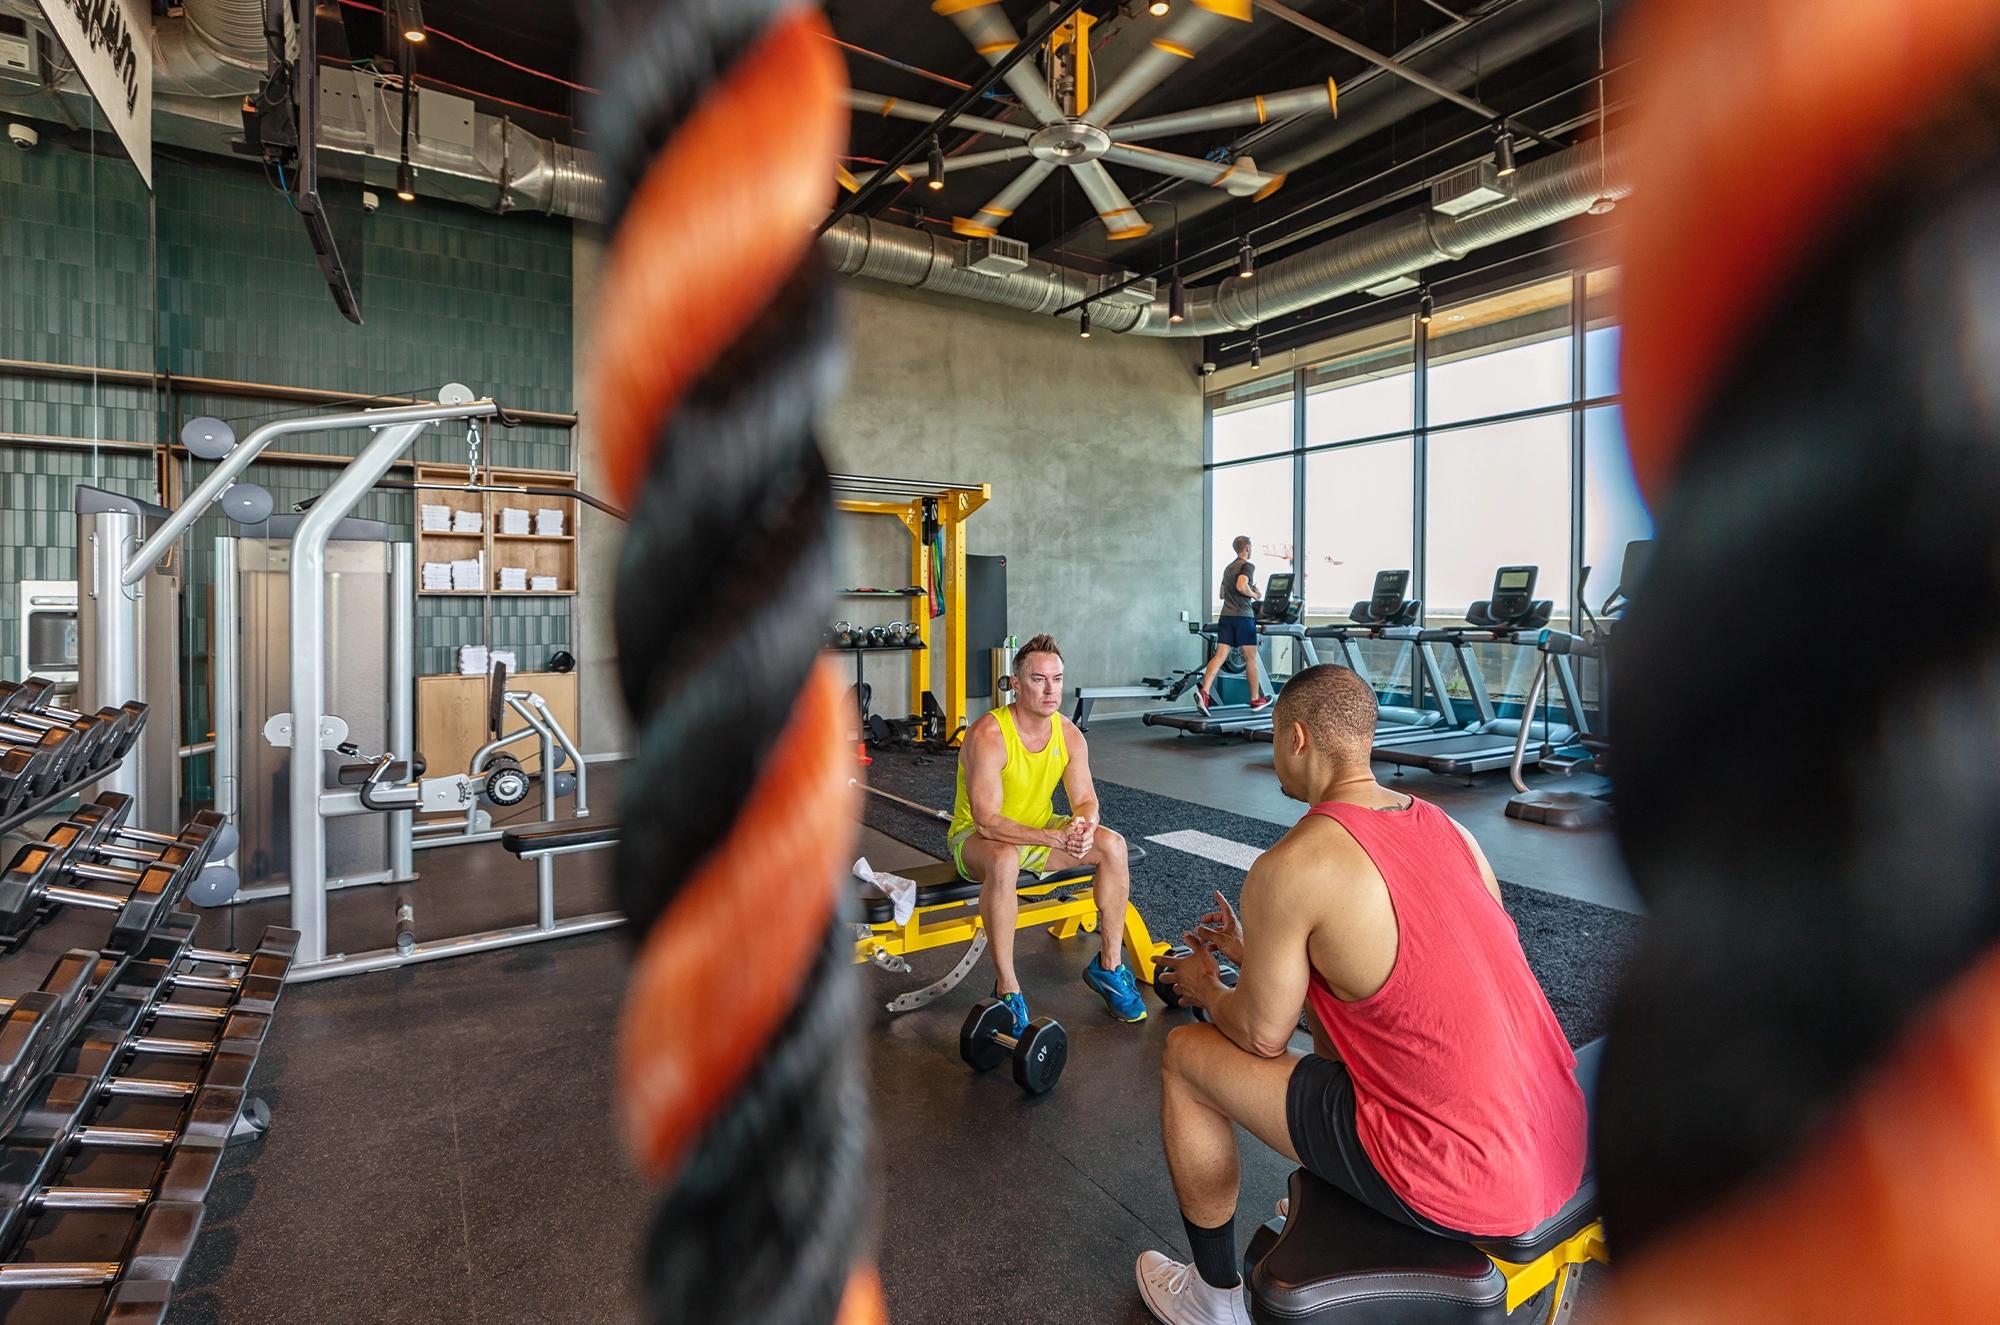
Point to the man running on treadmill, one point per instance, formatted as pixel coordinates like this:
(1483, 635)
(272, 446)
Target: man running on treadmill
(1440, 1090)
(1003, 821)
(1236, 627)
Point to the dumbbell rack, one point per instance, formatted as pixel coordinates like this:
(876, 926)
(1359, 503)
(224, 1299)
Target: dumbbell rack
(77, 750)
(125, 1062)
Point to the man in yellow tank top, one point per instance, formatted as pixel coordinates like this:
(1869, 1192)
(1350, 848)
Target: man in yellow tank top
(1004, 821)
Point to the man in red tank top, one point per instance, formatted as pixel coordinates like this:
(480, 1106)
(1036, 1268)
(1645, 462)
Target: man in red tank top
(1440, 1090)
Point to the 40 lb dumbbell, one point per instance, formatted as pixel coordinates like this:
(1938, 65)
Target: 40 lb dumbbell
(987, 1039)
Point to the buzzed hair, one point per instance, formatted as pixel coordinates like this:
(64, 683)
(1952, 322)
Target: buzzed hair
(1039, 644)
(1335, 706)
(1242, 545)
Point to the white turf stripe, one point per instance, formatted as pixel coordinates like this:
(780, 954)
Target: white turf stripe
(1210, 847)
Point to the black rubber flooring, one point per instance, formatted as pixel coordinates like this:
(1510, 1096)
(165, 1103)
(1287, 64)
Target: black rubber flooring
(443, 1147)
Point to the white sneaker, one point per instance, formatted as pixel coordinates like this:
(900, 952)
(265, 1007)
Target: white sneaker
(1176, 1295)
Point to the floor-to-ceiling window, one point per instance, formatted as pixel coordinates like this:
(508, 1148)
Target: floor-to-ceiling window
(1514, 455)
(1247, 496)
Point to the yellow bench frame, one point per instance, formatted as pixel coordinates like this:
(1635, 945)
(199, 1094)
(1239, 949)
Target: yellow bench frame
(943, 924)
(1553, 1266)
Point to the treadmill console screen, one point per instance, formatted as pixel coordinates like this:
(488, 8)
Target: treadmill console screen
(1279, 607)
(1390, 588)
(1513, 591)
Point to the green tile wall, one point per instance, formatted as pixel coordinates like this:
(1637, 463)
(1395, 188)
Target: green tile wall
(448, 294)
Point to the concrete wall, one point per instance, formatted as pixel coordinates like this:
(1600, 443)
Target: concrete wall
(605, 730)
(1093, 449)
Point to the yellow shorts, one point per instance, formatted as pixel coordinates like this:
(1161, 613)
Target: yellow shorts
(1034, 860)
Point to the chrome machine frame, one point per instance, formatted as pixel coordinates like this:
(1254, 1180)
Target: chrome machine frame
(118, 567)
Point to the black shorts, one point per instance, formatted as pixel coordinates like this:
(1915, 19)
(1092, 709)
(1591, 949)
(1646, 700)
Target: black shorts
(1319, 1113)
(1236, 630)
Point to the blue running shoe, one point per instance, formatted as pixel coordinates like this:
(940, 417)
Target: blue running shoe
(1118, 989)
(1017, 1005)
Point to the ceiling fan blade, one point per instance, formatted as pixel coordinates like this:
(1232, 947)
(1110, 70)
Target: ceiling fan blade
(1240, 178)
(1121, 219)
(986, 26)
(897, 108)
(973, 160)
(1198, 24)
(1320, 98)
(986, 222)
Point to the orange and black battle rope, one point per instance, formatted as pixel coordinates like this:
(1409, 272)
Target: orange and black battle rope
(714, 348)
(1812, 814)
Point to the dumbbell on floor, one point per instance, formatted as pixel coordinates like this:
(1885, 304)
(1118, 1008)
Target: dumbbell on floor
(987, 1038)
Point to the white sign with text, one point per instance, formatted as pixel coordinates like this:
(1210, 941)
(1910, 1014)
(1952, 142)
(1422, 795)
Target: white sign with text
(111, 43)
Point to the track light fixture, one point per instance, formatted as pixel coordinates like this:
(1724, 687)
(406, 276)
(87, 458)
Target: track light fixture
(1256, 348)
(410, 19)
(1083, 323)
(935, 177)
(1246, 260)
(1426, 309)
(1503, 150)
(406, 175)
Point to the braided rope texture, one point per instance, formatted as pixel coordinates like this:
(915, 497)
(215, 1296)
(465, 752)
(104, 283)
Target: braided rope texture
(1806, 698)
(714, 350)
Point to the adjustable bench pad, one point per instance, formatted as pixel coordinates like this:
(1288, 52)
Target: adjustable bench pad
(549, 837)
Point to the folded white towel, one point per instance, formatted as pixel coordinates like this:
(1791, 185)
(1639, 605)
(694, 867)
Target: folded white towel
(900, 891)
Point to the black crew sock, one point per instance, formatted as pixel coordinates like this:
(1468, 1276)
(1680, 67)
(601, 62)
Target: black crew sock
(1214, 1252)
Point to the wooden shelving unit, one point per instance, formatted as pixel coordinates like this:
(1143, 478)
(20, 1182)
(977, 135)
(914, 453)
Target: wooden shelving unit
(538, 554)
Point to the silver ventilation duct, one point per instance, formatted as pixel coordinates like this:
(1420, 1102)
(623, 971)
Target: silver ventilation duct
(213, 55)
(216, 49)
(1551, 189)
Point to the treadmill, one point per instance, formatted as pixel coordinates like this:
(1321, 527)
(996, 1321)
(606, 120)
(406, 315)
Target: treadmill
(1389, 614)
(1512, 615)
(1277, 616)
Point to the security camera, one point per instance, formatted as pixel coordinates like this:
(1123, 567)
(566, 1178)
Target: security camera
(22, 136)
(1208, 369)
(370, 201)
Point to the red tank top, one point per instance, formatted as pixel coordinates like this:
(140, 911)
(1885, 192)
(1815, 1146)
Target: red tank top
(1464, 1086)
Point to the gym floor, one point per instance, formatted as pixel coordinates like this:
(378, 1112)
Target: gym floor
(444, 1146)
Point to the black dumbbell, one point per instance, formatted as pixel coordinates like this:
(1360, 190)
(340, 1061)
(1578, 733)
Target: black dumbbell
(1170, 997)
(107, 838)
(987, 1038)
(26, 703)
(38, 873)
(57, 749)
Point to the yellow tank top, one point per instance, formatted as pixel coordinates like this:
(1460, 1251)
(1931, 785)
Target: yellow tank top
(1027, 784)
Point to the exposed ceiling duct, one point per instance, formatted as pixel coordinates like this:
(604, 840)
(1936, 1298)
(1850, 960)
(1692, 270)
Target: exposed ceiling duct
(469, 156)
(1550, 189)
(215, 49)
(213, 54)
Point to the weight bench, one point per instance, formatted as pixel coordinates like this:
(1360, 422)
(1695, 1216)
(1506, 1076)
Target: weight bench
(1333, 1261)
(947, 912)
(542, 843)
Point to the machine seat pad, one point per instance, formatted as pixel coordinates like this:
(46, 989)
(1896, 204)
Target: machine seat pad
(1336, 1262)
(353, 775)
(941, 883)
(548, 837)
